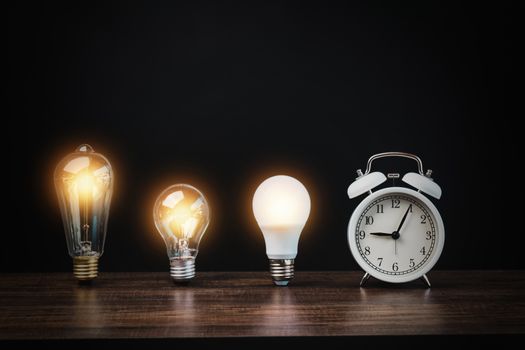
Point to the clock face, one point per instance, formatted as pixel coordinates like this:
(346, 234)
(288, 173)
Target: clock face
(395, 235)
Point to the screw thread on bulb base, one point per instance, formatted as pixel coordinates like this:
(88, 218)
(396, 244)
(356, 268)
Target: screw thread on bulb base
(282, 271)
(182, 269)
(85, 268)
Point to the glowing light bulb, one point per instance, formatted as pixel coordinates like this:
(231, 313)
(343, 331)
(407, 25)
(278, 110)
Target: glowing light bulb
(84, 185)
(181, 214)
(281, 206)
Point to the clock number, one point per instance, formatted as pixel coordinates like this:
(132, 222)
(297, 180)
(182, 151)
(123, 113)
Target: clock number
(423, 251)
(395, 267)
(379, 208)
(362, 234)
(380, 261)
(369, 220)
(367, 250)
(396, 203)
(410, 208)
(423, 219)
(429, 236)
(411, 263)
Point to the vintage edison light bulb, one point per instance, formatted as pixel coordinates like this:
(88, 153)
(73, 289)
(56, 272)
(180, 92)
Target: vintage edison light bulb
(84, 185)
(181, 214)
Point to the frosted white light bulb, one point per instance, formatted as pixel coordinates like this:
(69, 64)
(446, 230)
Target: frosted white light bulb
(181, 215)
(281, 205)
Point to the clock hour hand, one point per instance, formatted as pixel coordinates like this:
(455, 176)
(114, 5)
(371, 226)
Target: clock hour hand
(381, 234)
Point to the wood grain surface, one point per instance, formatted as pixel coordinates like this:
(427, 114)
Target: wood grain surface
(246, 304)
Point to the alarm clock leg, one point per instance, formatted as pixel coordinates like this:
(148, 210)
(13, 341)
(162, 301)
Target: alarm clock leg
(364, 279)
(426, 281)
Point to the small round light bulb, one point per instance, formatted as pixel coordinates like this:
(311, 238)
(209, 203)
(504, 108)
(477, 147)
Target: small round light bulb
(181, 214)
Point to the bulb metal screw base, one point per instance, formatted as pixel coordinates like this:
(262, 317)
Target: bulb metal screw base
(85, 268)
(282, 271)
(182, 269)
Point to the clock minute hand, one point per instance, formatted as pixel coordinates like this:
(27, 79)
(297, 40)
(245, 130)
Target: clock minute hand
(403, 220)
(381, 234)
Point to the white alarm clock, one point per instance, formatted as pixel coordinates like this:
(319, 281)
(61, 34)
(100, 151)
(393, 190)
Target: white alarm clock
(395, 234)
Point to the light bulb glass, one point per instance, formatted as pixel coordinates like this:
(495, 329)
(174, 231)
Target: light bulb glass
(84, 185)
(281, 205)
(181, 214)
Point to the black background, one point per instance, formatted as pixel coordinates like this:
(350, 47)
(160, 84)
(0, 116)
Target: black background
(223, 95)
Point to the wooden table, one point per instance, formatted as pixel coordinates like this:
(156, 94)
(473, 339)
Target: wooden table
(239, 306)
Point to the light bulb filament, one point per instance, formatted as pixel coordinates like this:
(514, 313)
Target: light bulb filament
(85, 185)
